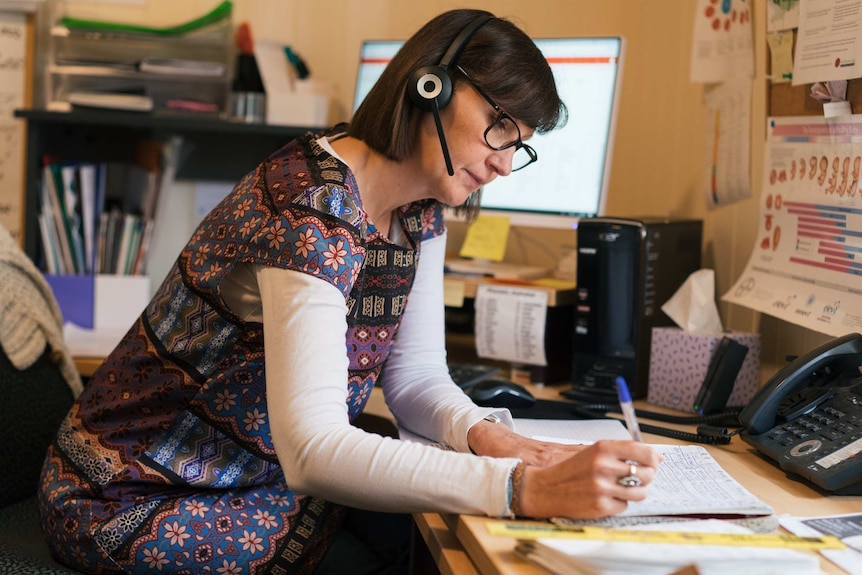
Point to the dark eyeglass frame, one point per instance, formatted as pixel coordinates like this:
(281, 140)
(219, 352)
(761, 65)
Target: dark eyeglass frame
(518, 144)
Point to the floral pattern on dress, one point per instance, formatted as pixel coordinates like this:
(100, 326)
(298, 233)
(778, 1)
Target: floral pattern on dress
(165, 464)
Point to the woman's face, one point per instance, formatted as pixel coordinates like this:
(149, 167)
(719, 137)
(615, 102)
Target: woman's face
(475, 164)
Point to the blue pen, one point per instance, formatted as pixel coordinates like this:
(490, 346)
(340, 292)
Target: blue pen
(628, 409)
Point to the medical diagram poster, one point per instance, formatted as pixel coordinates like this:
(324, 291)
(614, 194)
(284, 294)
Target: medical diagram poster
(806, 264)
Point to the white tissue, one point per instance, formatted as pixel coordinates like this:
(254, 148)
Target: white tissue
(693, 307)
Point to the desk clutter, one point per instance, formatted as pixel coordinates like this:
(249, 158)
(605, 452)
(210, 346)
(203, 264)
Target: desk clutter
(696, 516)
(125, 66)
(203, 67)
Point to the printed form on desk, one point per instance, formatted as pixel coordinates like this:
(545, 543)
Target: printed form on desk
(689, 482)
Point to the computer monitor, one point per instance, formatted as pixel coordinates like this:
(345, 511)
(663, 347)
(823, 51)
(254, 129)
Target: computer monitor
(570, 180)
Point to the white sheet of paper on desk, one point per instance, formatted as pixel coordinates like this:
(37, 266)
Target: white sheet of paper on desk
(510, 324)
(847, 527)
(690, 482)
(612, 557)
(90, 342)
(578, 431)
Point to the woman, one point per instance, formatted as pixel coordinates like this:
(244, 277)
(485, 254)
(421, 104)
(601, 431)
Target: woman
(217, 436)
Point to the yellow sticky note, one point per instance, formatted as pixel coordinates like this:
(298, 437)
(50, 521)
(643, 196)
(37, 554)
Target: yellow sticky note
(486, 238)
(453, 293)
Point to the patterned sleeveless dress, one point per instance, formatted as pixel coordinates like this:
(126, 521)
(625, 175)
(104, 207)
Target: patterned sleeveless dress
(165, 463)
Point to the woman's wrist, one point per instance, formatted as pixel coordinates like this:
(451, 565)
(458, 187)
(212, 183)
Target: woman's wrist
(516, 489)
(477, 435)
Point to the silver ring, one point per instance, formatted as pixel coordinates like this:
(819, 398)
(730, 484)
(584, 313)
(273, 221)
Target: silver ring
(632, 479)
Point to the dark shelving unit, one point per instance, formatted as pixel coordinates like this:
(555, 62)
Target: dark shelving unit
(212, 149)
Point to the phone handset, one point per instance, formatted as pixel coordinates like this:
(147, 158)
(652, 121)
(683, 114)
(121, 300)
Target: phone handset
(759, 415)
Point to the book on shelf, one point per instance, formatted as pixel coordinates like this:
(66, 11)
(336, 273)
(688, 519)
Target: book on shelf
(98, 217)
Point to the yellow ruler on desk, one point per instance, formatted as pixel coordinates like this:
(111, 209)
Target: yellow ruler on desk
(530, 531)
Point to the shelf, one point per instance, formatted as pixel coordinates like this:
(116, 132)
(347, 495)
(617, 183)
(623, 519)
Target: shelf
(556, 296)
(212, 149)
(163, 122)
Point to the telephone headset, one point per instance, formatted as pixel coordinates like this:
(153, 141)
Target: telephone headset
(430, 87)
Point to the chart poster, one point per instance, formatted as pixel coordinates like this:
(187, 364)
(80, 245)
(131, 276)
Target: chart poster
(728, 133)
(722, 47)
(806, 264)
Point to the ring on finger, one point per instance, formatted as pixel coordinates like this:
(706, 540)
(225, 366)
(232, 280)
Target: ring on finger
(632, 479)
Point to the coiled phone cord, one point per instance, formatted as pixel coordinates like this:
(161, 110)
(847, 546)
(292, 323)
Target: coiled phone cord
(711, 432)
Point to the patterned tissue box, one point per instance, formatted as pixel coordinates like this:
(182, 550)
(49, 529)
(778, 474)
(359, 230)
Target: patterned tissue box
(679, 361)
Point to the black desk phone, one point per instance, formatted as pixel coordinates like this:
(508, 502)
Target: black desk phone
(808, 417)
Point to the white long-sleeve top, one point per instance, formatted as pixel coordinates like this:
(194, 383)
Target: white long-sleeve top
(322, 454)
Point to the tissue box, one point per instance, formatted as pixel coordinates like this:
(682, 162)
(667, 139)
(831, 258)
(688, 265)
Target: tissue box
(679, 361)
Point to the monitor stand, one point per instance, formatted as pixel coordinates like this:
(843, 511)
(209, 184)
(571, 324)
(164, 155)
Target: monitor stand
(499, 270)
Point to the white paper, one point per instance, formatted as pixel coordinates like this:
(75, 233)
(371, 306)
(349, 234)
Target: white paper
(510, 324)
(574, 431)
(829, 43)
(690, 481)
(612, 557)
(84, 342)
(804, 265)
(847, 527)
(13, 41)
(722, 48)
(782, 15)
(568, 431)
(728, 129)
(692, 307)
(274, 67)
(119, 300)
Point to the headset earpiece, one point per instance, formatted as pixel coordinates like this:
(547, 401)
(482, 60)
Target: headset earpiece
(430, 87)
(432, 83)
(428, 84)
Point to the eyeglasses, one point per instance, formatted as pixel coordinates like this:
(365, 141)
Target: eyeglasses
(503, 133)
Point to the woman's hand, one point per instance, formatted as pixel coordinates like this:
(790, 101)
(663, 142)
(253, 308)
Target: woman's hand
(494, 440)
(586, 484)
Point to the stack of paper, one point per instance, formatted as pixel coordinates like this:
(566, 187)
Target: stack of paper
(595, 557)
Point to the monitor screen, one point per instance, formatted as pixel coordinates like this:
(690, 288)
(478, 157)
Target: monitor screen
(570, 180)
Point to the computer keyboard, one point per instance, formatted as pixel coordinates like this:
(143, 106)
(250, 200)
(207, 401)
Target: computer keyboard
(466, 375)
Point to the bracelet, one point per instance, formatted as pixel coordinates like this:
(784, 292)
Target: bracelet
(516, 481)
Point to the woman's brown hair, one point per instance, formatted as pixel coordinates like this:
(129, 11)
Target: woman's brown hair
(499, 57)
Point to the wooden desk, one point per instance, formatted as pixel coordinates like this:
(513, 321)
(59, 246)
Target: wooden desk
(469, 285)
(495, 555)
(491, 555)
(87, 365)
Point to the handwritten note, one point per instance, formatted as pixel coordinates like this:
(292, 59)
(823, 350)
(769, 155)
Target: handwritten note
(13, 36)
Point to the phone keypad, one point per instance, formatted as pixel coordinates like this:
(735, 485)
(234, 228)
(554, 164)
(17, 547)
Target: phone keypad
(823, 446)
(836, 427)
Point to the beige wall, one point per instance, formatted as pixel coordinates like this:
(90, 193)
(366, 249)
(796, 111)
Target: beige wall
(658, 155)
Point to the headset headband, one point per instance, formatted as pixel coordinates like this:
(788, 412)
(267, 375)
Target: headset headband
(461, 40)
